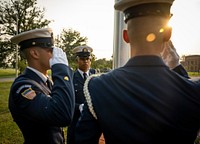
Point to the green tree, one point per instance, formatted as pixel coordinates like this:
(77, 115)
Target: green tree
(102, 65)
(5, 55)
(17, 16)
(68, 40)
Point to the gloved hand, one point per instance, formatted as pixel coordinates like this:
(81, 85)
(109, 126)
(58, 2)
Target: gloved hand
(81, 107)
(58, 56)
(169, 55)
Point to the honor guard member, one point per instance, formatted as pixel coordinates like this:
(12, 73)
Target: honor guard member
(142, 102)
(41, 107)
(83, 59)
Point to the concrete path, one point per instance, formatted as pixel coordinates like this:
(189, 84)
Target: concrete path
(12, 79)
(6, 80)
(195, 78)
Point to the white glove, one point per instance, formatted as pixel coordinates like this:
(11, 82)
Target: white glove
(58, 57)
(81, 107)
(169, 55)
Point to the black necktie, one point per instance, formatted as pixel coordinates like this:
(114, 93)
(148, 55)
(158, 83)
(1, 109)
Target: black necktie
(84, 76)
(49, 83)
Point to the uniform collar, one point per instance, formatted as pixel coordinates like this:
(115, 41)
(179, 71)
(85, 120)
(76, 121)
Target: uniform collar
(41, 75)
(81, 72)
(145, 61)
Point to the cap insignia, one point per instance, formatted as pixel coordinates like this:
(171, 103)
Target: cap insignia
(85, 50)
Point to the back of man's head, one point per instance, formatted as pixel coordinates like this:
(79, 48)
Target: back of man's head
(146, 23)
(148, 31)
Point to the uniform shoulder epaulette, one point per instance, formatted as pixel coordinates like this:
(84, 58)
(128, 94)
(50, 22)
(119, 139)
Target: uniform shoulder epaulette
(87, 95)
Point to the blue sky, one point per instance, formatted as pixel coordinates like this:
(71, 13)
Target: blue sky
(95, 20)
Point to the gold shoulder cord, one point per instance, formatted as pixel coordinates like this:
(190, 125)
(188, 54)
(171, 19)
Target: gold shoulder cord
(87, 95)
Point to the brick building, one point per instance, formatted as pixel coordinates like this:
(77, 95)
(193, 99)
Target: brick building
(191, 63)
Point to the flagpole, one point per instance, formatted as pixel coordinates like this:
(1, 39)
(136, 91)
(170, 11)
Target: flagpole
(121, 50)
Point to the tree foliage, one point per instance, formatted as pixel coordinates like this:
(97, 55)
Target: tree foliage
(17, 16)
(102, 65)
(5, 55)
(20, 15)
(68, 40)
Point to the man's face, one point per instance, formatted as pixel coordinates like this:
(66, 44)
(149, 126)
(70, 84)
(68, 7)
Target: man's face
(45, 55)
(84, 63)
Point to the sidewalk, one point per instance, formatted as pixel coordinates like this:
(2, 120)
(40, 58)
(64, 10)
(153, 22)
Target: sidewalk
(13, 78)
(7, 79)
(195, 78)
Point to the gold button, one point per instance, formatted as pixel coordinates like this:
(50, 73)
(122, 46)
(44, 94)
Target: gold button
(66, 78)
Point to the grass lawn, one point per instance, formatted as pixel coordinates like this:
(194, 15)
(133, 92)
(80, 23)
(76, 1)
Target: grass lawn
(9, 132)
(4, 73)
(194, 74)
(7, 73)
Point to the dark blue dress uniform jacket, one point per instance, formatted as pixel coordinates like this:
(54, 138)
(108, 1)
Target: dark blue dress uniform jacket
(78, 82)
(78, 87)
(143, 102)
(40, 119)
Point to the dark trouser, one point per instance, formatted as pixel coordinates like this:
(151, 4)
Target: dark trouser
(71, 129)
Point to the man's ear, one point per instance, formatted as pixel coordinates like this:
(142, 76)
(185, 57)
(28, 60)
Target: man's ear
(167, 33)
(34, 53)
(125, 36)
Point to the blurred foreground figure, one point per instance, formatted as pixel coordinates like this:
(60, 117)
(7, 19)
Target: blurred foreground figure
(143, 102)
(39, 106)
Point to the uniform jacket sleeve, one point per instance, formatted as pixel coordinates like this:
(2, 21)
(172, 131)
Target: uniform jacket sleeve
(181, 71)
(54, 109)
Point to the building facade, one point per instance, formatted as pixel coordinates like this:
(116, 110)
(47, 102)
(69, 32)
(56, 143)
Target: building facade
(191, 63)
